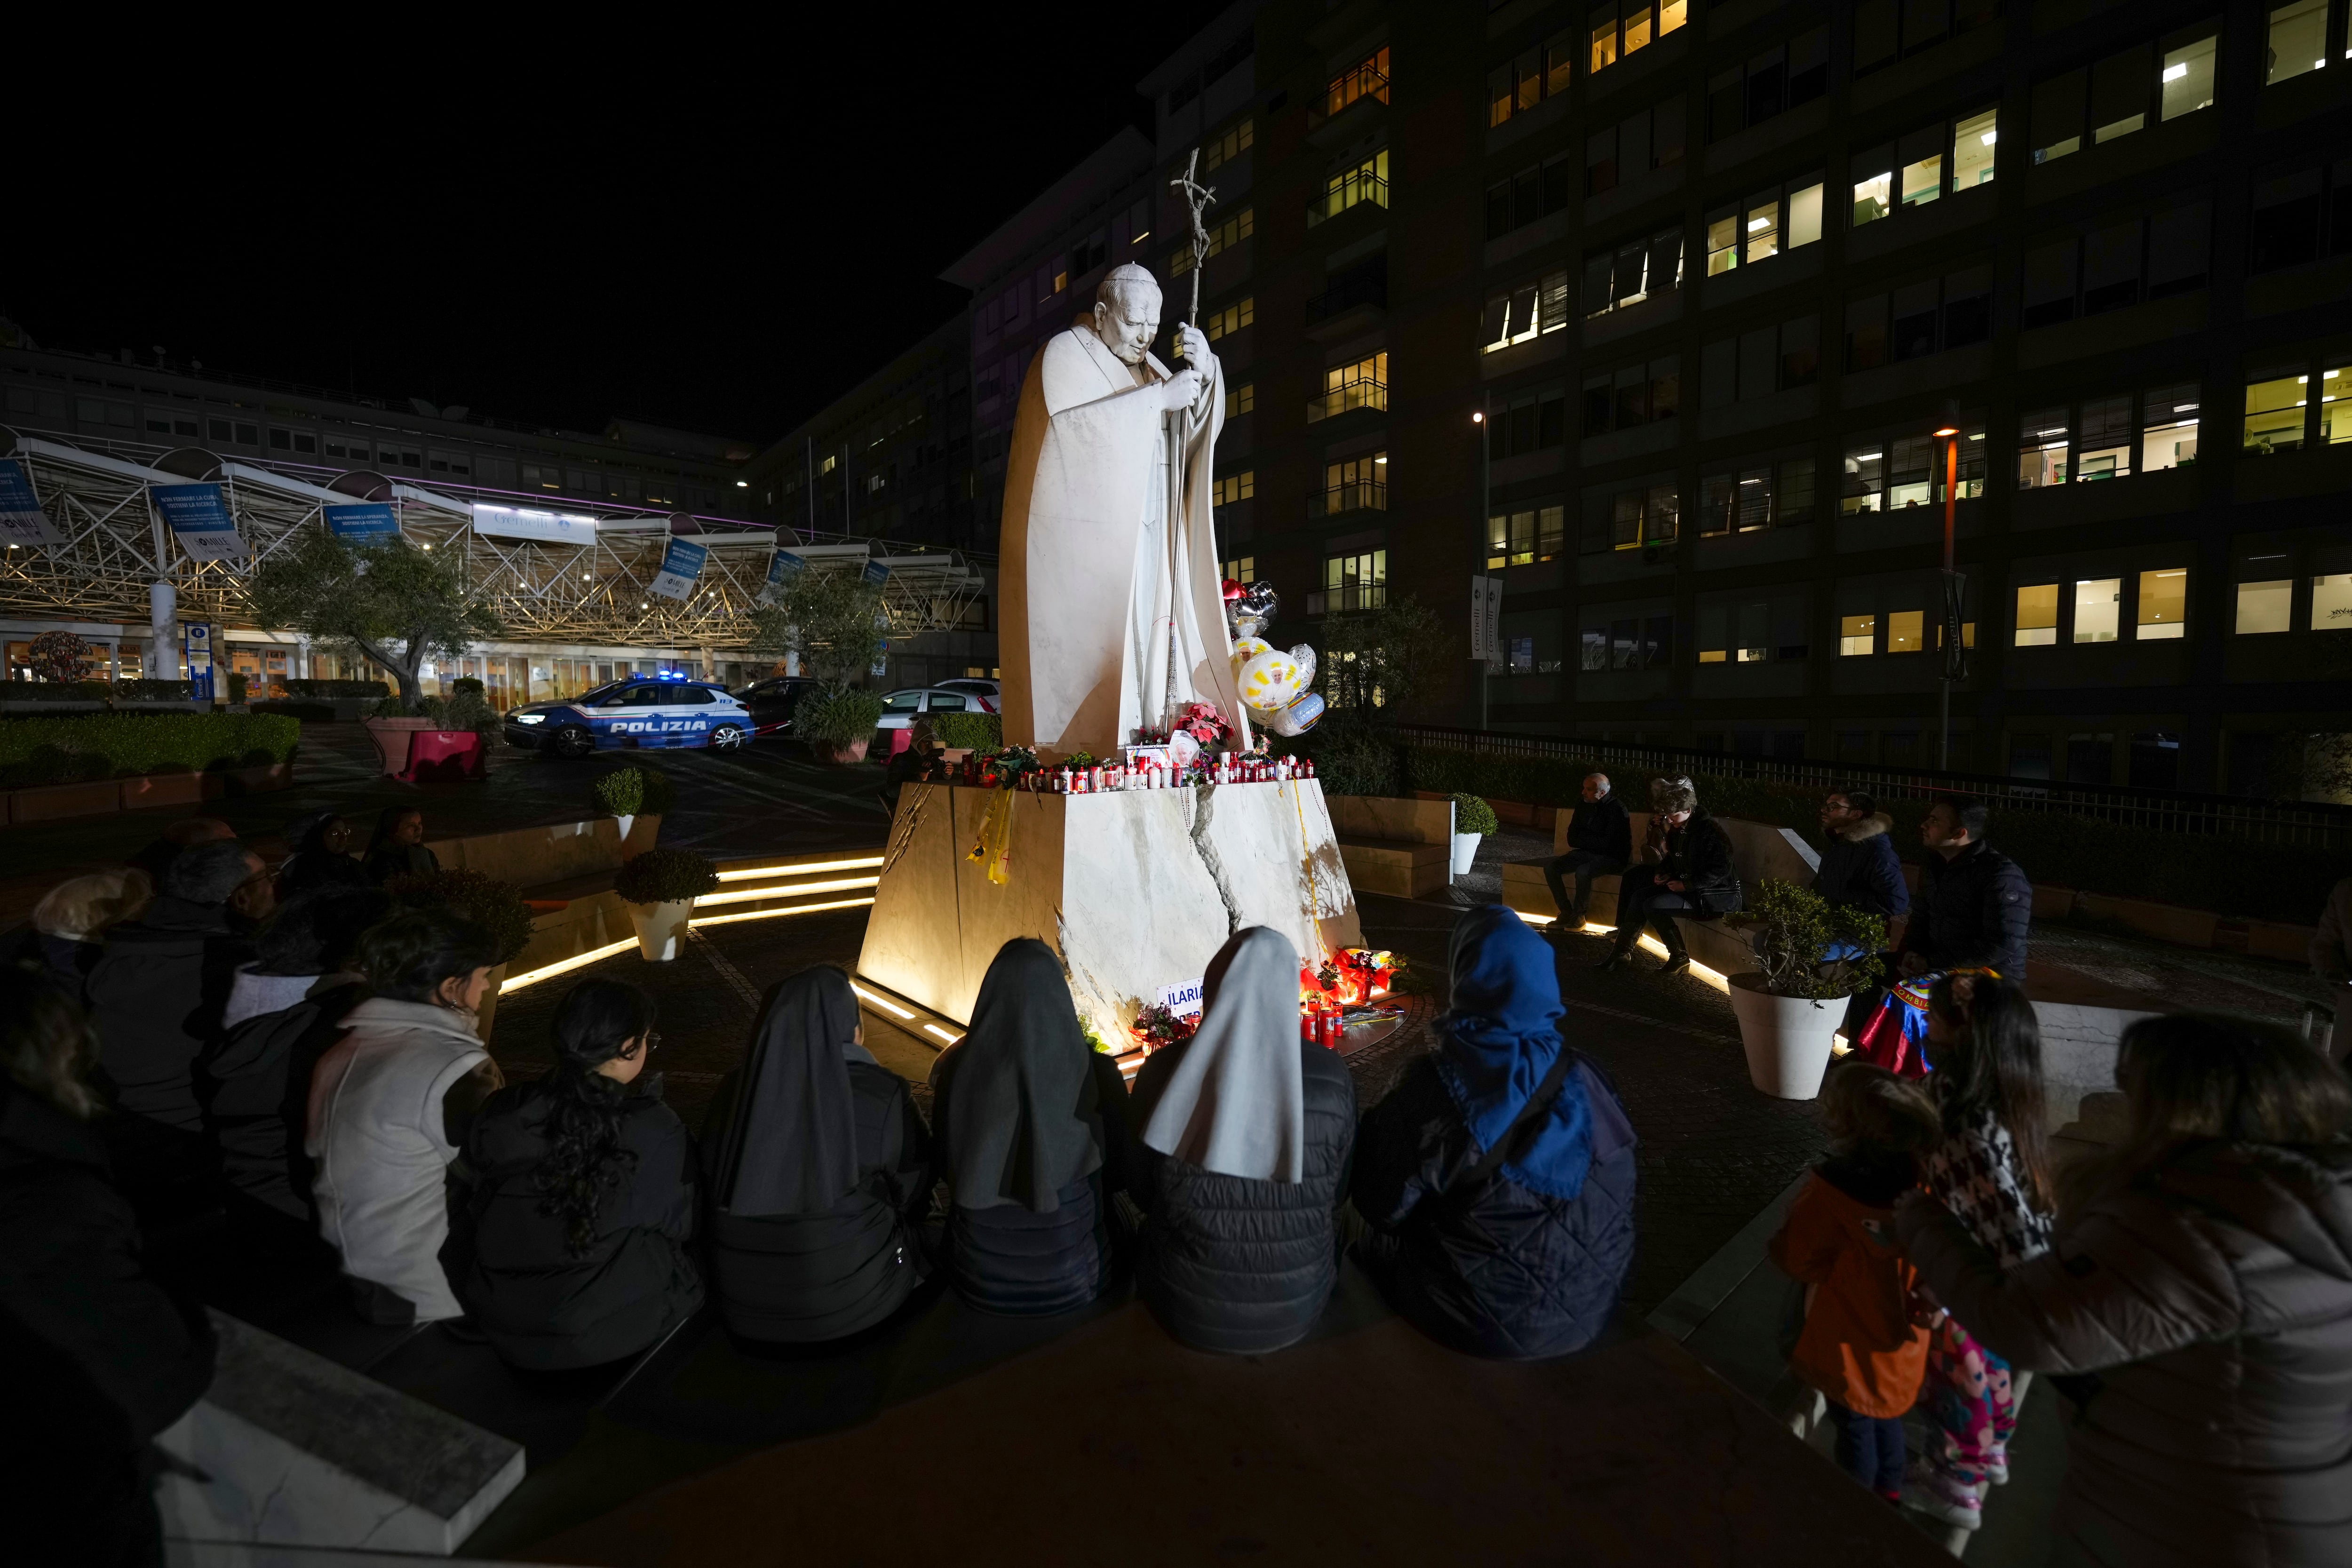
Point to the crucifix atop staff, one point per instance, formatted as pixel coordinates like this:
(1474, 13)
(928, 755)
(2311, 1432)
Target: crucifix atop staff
(1196, 198)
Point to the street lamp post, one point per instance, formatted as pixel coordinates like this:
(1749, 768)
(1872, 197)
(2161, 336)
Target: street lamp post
(1477, 533)
(1949, 433)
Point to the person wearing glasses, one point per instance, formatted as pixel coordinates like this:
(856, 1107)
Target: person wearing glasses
(574, 1232)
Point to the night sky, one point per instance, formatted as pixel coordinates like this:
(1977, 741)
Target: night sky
(715, 232)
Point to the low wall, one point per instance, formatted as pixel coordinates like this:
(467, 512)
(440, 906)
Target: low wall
(105, 798)
(555, 852)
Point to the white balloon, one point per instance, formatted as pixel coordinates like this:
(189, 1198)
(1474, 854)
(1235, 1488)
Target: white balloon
(1248, 648)
(1304, 658)
(1269, 680)
(1299, 717)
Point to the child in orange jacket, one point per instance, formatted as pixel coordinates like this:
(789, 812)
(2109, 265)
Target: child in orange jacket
(1860, 1346)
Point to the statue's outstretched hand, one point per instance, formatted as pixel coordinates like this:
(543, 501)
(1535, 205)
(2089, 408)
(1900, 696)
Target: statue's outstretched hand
(1181, 390)
(1193, 347)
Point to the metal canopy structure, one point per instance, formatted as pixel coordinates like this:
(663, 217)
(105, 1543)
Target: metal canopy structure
(595, 584)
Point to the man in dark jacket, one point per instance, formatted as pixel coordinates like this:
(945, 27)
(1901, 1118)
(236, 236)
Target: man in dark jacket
(1686, 869)
(103, 1357)
(1974, 905)
(1859, 868)
(156, 996)
(1600, 842)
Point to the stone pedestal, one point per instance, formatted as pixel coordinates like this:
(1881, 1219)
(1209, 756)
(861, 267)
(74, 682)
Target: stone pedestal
(1135, 889)
(298, 1451)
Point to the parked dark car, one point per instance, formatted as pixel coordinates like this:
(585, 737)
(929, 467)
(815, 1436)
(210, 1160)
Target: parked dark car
(772, 702)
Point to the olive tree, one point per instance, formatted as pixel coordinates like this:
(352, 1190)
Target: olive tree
(833, 620)
(397, 603)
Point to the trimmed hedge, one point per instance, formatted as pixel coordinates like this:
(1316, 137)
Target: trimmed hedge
(331, 690)
(55, 692)
(497, 907)
(973, 732)
(154, 691)
(125, 745)
(2258, 881)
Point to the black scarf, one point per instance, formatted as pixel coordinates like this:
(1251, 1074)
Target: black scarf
(792, 1145)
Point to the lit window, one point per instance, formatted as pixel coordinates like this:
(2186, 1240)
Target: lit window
(2098, 609)
(1349, 387)
(2331, 603)
(1972, 149)
(2169, 429)
(1906, 631)
(1242, 569)
(2264, 608)
(2187, 79)
(2106, 439)
(2336, 405)
(1871, 194)
(1233, 488)
(1923, 179)
(1367, 182)
(2274, 414)
(1230, 145)
(2163, 605)
(1857, 635)
(2298, 40)
(1233, 318)
(1865, 479)
(1241, 399)
(2037, 615)
(2042, 450)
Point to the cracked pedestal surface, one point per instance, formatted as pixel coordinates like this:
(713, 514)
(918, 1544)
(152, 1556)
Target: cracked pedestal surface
(1135, 889)
(299, 1451)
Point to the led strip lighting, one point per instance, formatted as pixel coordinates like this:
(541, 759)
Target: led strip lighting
(1648, 944)
(789, 910)
(745, 875)
(563, 966)
(746, 895)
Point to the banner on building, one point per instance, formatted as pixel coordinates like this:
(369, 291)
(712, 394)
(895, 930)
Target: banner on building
(525, 522)
(366, 522)
(199, 517)
(1485, 618)
(878, 573)
(22, 520)
(681, 564)
(782, 567)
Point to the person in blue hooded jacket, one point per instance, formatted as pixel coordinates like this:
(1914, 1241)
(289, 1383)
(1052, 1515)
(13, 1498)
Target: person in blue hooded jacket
(1497, 1179)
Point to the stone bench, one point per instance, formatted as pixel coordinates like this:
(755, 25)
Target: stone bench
(1394, 846)
(287, 1448)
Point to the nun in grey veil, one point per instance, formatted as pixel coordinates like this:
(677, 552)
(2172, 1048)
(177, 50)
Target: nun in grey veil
(1245, 1133)
(818, 1173)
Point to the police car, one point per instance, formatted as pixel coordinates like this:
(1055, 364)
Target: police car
(646, 713)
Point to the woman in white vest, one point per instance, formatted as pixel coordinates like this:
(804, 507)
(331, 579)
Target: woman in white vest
(390, 1104)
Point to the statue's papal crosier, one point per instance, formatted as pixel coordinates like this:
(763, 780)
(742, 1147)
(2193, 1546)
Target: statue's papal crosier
(1102, 554)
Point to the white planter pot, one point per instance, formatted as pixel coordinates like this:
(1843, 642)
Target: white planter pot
(1787, 1038)
(661, 929)
(1466, 849)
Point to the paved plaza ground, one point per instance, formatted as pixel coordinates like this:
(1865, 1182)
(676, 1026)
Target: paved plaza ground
(1718, 1158)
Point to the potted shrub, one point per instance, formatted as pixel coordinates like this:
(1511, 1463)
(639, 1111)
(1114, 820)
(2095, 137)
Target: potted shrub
(497, 907)
(1473, 820)
(840, 722)
(637, 796)
(440, 738)
(1790, 1005)
(660, 887)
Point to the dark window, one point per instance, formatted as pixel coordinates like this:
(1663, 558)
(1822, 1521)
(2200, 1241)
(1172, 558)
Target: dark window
(1523, 427)
(2050, 272)
(1552, 423)
(1968, 307)
(1916, 315)
(1767, 85)
(2285, 230)
(1498, 209)
(2111, 268)
(1865, 332)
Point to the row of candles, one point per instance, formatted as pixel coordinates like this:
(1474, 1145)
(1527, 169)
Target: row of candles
(1321, 1024)
(1151, 773)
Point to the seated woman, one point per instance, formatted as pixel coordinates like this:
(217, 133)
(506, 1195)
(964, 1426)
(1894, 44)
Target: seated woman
(819, 1174)
(397, 847)
(1685, 868)
(285, 1009)
(1242, 1163)
(70, 923)
(571, 1250)
(322, 857)
(391, 1103)
(1498, 1177)
(1030, 1123)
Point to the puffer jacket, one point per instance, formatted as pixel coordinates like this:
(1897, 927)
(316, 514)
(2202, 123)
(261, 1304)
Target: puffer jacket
(1698, 854)
(156, 998)
(1601, 828)
(1508, 1273)
(1973, 910)
(1232, 1264)
(1859, 870)
(803, 1278)
(2212, 1298)
(1859, 1345)
(261, 1092)
(540, 1306)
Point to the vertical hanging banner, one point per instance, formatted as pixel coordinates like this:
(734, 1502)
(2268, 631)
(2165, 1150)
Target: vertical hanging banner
(200, 519)
(367, 522)
(1485, 618)
(199, 653)
(681, 564)
(22, 520)
(782, 567)
(878, 573)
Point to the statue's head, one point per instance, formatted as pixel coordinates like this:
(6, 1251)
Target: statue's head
(1126, 311)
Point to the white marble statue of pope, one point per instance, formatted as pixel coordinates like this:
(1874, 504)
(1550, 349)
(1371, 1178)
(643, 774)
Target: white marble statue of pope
(1101, 555)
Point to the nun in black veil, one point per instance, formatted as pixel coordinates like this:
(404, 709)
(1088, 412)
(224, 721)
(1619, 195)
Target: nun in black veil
(818, 1173)
(1031, 1134)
